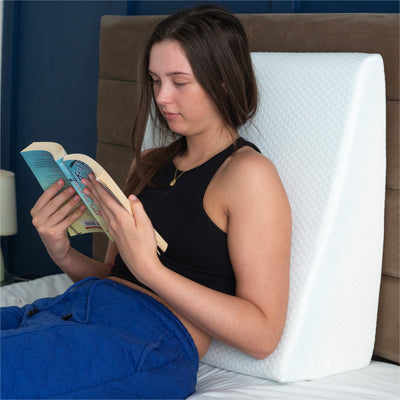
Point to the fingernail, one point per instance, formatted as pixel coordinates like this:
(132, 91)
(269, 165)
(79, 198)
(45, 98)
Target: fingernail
(71, 190)
(76, 197)
(60, 182)
(132, 197)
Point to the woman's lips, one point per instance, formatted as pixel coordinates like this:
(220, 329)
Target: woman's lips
(171, 116)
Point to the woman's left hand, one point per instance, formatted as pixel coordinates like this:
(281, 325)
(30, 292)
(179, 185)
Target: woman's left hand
(133, 233)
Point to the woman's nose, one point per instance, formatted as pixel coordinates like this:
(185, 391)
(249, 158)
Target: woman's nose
(163, 95)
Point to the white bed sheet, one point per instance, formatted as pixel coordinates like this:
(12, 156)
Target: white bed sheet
(378, 381)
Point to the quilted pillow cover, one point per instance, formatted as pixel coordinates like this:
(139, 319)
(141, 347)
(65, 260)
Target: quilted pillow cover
(321, 120)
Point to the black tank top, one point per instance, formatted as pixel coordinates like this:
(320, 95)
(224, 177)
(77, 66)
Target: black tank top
(197, 248)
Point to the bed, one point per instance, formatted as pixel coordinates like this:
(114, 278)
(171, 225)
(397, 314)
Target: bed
(369, 41)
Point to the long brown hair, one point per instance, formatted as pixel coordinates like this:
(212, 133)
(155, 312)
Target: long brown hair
(216, 47)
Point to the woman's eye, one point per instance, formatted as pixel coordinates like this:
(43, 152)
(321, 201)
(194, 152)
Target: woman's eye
(154, 81)
(179, 83)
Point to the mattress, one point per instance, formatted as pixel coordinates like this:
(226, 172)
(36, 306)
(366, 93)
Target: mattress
(377, 381)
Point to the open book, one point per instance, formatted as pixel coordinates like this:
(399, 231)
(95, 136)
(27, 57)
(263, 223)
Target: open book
(49, 162)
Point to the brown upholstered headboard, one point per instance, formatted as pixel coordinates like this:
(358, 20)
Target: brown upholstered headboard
(122, 39)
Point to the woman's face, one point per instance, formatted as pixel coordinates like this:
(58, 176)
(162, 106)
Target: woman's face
(184, 104)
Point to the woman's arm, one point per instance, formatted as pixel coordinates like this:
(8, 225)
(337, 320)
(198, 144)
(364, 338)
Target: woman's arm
(259, 238)
(51, 216)
(259, 235)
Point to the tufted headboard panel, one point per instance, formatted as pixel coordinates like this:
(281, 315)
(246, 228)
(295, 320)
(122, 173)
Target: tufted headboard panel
(121, 43)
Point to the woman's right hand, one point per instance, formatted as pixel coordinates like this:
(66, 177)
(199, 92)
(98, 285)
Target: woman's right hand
(52, 214)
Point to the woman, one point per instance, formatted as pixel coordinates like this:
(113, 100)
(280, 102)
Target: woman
(214, 198)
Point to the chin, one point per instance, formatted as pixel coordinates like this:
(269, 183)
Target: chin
(178, 129)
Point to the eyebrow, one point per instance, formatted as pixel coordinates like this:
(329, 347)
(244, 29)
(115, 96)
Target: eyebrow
(171, 73)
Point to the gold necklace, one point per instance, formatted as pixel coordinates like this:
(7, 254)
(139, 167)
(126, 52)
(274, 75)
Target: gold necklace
(176, 176)
(172, 183)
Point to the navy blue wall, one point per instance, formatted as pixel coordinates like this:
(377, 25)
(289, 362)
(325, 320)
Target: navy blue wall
(49, 88)
(50, 75)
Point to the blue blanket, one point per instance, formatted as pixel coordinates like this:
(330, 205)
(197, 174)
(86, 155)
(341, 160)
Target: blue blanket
(100, 339)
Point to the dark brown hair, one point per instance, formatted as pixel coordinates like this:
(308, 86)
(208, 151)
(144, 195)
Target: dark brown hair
(216, 47)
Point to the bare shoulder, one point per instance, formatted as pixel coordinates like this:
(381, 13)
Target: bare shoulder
(249, 183)
(251, 171)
